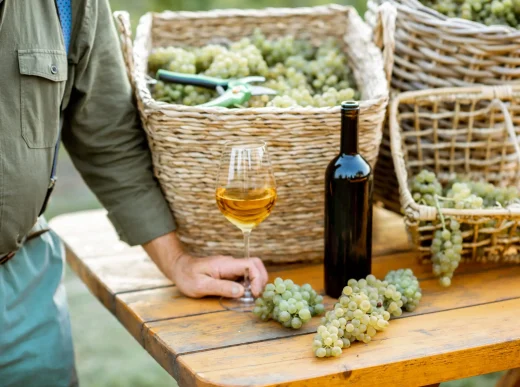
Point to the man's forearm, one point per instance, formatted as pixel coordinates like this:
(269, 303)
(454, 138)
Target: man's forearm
(165, 251)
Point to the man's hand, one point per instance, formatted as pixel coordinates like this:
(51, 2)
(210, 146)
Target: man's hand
(199, 277)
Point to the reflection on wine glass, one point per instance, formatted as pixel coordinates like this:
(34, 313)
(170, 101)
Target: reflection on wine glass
(246, 193)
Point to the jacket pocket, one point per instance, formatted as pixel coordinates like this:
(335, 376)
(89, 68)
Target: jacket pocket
(42, 80)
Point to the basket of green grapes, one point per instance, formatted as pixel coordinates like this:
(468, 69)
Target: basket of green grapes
(310, 58)
(445, 43)
(457, 161)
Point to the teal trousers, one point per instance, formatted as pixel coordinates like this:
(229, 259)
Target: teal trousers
(35, 334)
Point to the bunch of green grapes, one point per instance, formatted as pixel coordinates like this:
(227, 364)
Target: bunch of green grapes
(489, 12)
(493, 195)
(228, 65)
(276, 50)
(289, 304)
(364, 308)
(182, 94)
(302, 74)
(333, 97)
(329, 69)
(446, 251)
(159, 58)
(424, 187)
(459, 196)
(255, 61)
(408, 285)
(205, 56)
(182, 61)
(352, 319)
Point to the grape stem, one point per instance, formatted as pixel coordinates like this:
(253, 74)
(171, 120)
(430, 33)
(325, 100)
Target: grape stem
(441, 216)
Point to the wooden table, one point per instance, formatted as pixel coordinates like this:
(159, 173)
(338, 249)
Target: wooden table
(472, 328)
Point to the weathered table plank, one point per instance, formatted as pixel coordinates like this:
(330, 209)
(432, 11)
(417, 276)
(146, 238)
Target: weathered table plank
(413, 351)
(134, 309)
(201, 344)
(211, 331)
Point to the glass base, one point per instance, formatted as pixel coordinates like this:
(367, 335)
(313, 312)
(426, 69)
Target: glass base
(246, 303)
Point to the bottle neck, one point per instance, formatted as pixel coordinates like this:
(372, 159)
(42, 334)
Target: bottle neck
(349, 132)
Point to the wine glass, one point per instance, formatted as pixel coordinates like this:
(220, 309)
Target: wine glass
(246, 193)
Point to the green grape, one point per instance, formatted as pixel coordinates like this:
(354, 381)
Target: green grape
(321, 352)
(296, 323)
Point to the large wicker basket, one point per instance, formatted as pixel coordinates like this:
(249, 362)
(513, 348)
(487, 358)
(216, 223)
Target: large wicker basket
(186, 141)
(469, 131)
(432, 50)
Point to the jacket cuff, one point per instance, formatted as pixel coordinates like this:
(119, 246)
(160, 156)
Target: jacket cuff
(139, 220)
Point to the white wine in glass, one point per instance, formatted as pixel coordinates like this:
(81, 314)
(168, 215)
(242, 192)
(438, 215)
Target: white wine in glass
(246, 193)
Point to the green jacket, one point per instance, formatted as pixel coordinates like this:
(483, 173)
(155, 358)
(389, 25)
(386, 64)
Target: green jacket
(101, 132)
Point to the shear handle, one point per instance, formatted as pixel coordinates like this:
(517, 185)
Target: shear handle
(191, 79)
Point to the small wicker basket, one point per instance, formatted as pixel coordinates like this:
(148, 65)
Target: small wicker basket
(470, 131)
(433, 50)
(186, 141)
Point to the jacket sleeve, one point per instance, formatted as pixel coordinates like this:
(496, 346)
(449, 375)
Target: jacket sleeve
(103, 133)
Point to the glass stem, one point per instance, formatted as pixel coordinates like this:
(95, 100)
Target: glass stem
(247, 234)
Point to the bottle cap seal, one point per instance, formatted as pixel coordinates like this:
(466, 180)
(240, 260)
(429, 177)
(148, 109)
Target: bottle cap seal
(349, 105)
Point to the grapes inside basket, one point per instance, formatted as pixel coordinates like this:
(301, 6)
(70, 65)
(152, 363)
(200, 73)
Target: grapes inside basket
(460, 193)
(488, 12)
(301, 74)
(457, 158)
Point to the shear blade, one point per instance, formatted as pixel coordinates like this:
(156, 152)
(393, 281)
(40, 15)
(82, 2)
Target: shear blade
(260, 90)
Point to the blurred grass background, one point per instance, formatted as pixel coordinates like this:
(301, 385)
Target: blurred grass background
(106, 355)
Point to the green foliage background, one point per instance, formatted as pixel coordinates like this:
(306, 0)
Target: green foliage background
(106, 355)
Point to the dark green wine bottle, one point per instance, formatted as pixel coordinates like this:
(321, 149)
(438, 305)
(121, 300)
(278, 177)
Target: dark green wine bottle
(348, 209)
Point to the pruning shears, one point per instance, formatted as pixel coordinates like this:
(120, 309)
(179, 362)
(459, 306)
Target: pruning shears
(232, 92)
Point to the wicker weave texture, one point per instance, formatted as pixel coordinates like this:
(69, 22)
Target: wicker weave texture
(186, 141)
(467, 131)
(431, 51)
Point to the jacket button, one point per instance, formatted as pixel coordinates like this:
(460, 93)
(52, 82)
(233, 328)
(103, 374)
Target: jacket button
(54, 69)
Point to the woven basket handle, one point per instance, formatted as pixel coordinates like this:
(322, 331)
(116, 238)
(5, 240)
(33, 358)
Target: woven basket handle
(407, 201)
(413, 211)
(384, 36)
(509, 125)
(122, 19)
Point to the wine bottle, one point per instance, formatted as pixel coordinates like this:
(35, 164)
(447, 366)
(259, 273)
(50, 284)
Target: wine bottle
(348, 209)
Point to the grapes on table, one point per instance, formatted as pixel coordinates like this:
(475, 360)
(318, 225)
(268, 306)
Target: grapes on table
(289, 304)
(364, 309)
(303, 75)
(408, 285)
